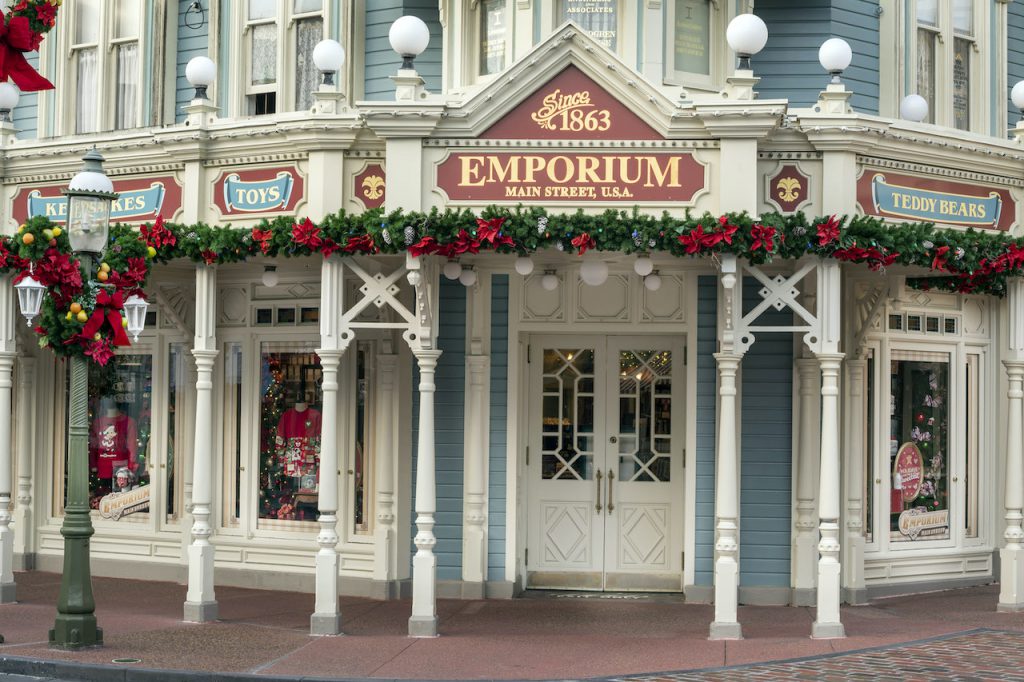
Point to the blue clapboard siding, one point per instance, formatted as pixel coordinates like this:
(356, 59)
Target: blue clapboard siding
(449, 403)
(707, 344)
(498, 453)
(25, 114)
(1014, 57)
(788, 66)
(192, 42)
(382, 62)
(766, 450)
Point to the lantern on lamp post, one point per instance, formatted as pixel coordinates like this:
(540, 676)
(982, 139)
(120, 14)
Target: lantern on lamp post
(30, 296)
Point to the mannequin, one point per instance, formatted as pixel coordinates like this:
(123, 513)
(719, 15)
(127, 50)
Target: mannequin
(113, 442)
(298, 444)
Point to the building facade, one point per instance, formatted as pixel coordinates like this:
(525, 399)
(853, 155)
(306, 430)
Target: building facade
(803, 432)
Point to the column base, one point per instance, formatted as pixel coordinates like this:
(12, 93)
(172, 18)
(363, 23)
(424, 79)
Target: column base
(75, 631)
(804, 596)
(200, 612)
(1009, 608)
(828, 631)
(855, 595)
(325, 624)
(726, 631)
(422, 627)
(25, 562)
(7, 593)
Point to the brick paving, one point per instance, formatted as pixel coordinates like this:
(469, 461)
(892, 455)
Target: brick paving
(967, 657)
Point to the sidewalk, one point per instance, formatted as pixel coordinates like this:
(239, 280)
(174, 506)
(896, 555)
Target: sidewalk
(550, 637)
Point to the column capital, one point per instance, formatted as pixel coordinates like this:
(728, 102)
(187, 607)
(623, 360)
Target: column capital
(329, 356)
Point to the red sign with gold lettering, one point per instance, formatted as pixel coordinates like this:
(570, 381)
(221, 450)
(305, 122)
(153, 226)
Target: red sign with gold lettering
(571, 106)
(662, 177)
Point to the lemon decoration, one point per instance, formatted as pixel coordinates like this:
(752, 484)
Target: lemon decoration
(82, 316)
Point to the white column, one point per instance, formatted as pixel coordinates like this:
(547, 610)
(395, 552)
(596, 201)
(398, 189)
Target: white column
(727, 570)
(384, 470)
(423, 622)
(326, 619)
(474, 529)
(7, 586)
(200, 602)
(805, 544)
(24, 538)
(827, 623)
(854, 587)
(1011, 556)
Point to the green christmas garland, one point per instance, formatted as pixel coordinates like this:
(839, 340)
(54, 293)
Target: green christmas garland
(965, 261)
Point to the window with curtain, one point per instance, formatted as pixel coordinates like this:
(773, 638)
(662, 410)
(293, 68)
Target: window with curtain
(87, 80)
(963, 45)
(927, 37)
(493, 36)
(127, 70)
(277, 42)
(308, 32)
(947, 73)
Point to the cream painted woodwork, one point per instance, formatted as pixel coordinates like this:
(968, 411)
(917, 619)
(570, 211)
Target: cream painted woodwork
(605, 479)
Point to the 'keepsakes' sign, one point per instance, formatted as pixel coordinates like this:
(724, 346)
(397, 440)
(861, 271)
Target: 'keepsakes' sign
(917, 198)
(258, 191)
(140, 200)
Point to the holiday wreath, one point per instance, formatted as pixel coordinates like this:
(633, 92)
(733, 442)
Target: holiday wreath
(80, 317)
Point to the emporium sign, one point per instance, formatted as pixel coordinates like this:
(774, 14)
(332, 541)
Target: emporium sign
(258, 191)
(116, 505)
(917, 198)
(919, 522)
(570, 107)
(139, 200)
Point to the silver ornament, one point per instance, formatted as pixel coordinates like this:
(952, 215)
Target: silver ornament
(959, 252)
(799, 230)
(410, 234)
(928, 245)
(560, 246)
(542, 224)
(652, 242)
(637, 239)
(385, 234)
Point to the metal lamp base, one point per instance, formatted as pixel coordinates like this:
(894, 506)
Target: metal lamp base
(76, 631)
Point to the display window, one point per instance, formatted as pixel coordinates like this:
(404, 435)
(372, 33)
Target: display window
(290, 422)
(177, 445)
(361, 470)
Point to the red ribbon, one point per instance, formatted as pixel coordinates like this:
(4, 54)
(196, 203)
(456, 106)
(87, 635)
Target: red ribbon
(16, 38)
(107, 307)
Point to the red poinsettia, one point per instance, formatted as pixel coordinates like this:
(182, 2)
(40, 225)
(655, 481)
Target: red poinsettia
(828, 231)
(329, 246)
(939, 258)
(425, 246)
(726, 232)
(306, 234)
(489, 230)
(763, 236)
(158, 236)
(361, 244)
(46, 13)
(583, 242)
(209, 257)
(693, 241)
(99, 351)
(465, 243)
(262, 237)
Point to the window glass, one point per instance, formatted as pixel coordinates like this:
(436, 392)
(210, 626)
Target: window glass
(127, 94)
(87, 83)
(361, 475)
(290, 421)
(599, 18)
(302, 6)
(692, 36)
(87, 21)
(919, 443)
(264, 54)
(962, 83)
(262, 9)
(963, 16)
(926, 69)
(493, 34)
(869, 450)
(928, 12)
(973, 447)
(126, 18)
(308, 32)
(233, 429)
(120, 399)
(177, 382)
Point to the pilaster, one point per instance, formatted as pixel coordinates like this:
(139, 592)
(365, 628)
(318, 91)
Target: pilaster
(8, 355)
(727, 570)
(805, 541)
(1011, 556)
(474, 527)
(24, 520)
(827, 622)
(384, 471)
(200, 601)
(854, 587)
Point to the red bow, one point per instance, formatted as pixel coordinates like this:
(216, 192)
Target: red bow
(583, 242)
(939, 260)
(16, 38)
(108, 307)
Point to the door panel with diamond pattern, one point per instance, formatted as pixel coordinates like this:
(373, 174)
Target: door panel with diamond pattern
(605, 489)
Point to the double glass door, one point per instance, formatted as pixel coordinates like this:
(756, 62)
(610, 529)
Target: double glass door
(605, 464)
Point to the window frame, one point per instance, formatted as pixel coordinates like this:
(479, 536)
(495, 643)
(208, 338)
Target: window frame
(717, 54)
(474, 16)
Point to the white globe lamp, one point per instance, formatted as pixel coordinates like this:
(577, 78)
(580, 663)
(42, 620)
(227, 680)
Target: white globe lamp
(524, 265)
(594, 272)
(549, 281)
(914, 108)
(9, 95)
(409, 37)
(652, 282)
(747, 35)
(1017, 97)
(452, 269)
(835, 55)
(270, 277)
(467, 277)
(643, 265)
(200, 72)
(328, 57)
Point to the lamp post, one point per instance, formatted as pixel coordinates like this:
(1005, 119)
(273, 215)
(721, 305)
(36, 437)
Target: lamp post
(90, 194)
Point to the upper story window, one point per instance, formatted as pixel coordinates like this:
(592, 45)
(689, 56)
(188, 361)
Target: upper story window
(494, 35)
(690, 58)
(105, 64)
(947, 67)
(275, 30)
(599, 18)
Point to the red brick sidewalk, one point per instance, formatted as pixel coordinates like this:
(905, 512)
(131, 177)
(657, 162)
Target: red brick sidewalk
(266, 633)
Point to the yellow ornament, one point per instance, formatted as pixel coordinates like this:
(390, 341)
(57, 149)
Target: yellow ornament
(21, 228)
(76, 308)
(103, 276)
(28, 238)
(151, 251)
(96, 336)
(48, 233)
(104, 267)
(82, 316)
(68, 316)
(124, 323)
(57, 232)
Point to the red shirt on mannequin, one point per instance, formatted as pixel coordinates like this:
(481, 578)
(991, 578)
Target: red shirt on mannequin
(113, 443)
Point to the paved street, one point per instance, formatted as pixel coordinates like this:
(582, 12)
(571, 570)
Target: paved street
(954, 635)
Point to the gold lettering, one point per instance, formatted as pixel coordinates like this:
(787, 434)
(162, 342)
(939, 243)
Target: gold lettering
(470, 176)
(564, 177)
(498, 173)
(670, 173)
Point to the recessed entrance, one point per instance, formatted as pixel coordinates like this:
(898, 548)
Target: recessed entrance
(605, 463)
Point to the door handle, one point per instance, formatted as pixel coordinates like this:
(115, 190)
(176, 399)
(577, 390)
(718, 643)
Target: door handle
(611, 478)
(597, 507)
